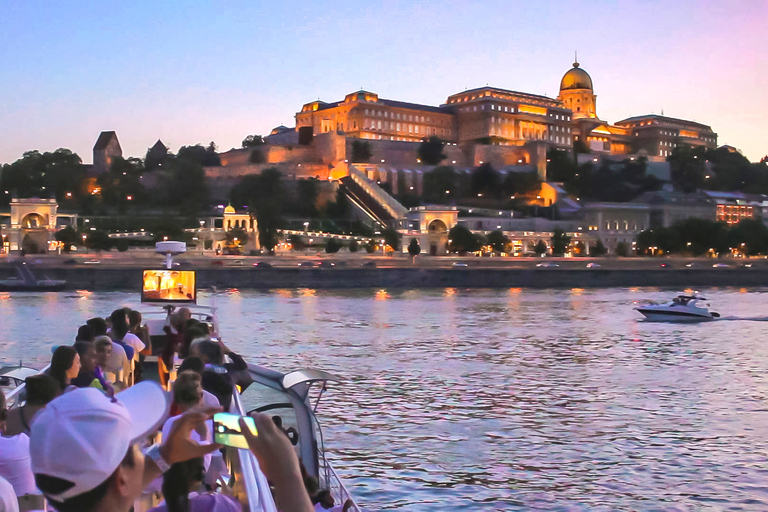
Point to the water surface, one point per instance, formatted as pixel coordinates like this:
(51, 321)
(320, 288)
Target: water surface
(500, 399)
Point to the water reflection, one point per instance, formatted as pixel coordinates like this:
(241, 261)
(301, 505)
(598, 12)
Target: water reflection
(501, 400)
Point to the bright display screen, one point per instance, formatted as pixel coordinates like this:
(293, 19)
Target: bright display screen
(169, 286)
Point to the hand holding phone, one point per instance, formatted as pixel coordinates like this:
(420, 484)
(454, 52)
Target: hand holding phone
(226, 429)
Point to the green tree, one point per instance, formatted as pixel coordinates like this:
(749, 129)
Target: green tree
(236, 237)
(98, 241)
(361, 151)
(687, 167)
(206, 157)
(339, 208)
(354, 246)
(520, 183)
(485, 180)
(431, 151)
(561, 166)
(332, 246)
(498, 241)
(462, 240)
(308, 190)
(370, 247)
(69, 237)
(599, 249)
(187, 188)
(59, 174)
(540, 248)
(750, 236)
(264, 194)
(439, 185)
(391, 238)
(560, 242)
(414, 249)
(622, 249)
(120, 186)
(252, 141)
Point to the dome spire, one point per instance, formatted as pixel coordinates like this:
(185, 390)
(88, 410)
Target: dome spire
(575, 59)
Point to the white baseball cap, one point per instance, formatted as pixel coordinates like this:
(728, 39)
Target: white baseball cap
(81, 437)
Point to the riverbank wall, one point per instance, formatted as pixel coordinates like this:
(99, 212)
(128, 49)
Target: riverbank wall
(122, 278)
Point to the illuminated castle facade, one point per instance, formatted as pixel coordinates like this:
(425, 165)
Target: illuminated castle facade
(489, 115)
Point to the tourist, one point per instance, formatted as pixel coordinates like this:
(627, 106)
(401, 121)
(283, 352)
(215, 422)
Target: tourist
(180, 484)
(8, 500)
(196, 364)
(103, 347)
(217, 375)
(136, 328)
(98, 326)
(188, 394)
(65, 366)
(14, 457)
(175, 340)
(39, 390)
(84, 333)
(279, 463)
(90, 374)
(119, 332)
(85, 447)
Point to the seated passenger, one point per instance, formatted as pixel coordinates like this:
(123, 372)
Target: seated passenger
(98, 326)
(15, 465)
(175, 339)
(104, 347)
(323, 501)
(40, 389)
(90, 374)
(180, 486)
(120, 335)
(217, 375)
(84, 333)
(65, 366)
(196, 364)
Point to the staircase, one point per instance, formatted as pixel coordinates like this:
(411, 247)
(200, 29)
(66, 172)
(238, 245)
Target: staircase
(375, 203)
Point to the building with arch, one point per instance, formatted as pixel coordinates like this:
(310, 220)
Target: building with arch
(32, 224)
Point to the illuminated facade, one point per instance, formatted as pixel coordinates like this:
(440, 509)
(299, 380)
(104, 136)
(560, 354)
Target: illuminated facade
(493, 116)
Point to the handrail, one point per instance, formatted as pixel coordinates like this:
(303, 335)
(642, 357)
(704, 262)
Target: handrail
(393, 207)
(17, 390)
(254, 481)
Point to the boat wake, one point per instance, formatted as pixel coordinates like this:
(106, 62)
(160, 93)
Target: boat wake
(745, 318)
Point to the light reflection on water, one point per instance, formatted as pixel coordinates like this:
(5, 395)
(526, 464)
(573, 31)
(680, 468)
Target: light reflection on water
(500, 400)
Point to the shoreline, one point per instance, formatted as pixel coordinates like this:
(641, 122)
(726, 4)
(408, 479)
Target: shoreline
(108, 278)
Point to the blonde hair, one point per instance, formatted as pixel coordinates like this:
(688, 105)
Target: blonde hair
(186, 387)
(100, 342)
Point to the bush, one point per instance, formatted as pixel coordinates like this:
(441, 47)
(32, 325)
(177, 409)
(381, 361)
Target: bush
(370, 247)
(414, 249)
(622, 249)
(122, 245)
(332, 246)
(354, 246)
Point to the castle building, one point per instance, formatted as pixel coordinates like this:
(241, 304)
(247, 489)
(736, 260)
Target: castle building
(106, 149)
(494, 116)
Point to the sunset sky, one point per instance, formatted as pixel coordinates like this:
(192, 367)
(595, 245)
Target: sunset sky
(195, 72)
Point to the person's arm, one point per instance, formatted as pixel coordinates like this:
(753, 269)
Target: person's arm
(237, 364)
(178, 445)
(279, 463)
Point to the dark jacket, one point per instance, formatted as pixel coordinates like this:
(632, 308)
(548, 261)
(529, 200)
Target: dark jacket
(219, 381)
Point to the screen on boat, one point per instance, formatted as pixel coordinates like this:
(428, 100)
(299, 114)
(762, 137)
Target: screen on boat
(169, 286)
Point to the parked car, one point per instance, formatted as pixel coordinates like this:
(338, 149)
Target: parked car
(369, 264)
(593, 265)
(666, 265)
(307, 264)
(691, 264)
(720, 265)
(325, 264)
(459, 264)
(262, 264)
(747, 265)
(547, 264)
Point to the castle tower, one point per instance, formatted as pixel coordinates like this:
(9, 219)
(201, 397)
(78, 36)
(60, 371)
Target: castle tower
(577, 94)
(106, 149)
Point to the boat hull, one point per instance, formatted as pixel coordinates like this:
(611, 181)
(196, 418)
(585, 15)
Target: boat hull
(655, 315)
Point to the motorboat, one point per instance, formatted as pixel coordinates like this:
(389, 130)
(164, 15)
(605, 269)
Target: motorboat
(25, 281)
(683, 308)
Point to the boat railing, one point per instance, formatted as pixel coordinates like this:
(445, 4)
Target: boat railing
(12, 397)
(334, 484)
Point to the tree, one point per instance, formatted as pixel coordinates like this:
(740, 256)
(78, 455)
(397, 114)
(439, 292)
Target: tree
(236, 237)
(98, 241)
(622, 249)
(414, 249)
(520, 183)
(68, 237)
(431, 151)
(361, 151)
(332, 246)
(561, 166)
(439, 185)
(120, 186)
(687, 167)
(337, 209)
(461, 240)
(297, 244)
(354, 246)
(560, 242)
(264, 194)
(59, 174)
(370, 247)
(540, 248)
(498, 241)
(599, 249)
(485, 180)
(205, 157)
(187, 188)
(391, 238)
(750, 236)
(307, 196)
(252, 141)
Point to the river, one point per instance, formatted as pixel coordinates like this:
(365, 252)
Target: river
(499, 399)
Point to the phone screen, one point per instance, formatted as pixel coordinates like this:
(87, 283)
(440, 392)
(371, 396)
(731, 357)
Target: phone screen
(226, 429)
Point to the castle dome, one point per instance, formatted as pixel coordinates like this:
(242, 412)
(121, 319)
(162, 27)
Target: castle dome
(576, 78)
(229, 209)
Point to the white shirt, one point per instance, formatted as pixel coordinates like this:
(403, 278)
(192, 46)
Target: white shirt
(117, 360)
(210, 400)
(134, 342)
(16, 465)
(8, 500)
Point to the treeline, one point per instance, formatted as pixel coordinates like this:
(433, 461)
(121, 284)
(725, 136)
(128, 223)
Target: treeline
(697, 237)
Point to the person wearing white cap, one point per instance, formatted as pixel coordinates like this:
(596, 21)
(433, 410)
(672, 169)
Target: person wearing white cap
(85, 446)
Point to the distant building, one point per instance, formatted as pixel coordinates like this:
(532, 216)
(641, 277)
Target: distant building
(32, 224)
(106, 149)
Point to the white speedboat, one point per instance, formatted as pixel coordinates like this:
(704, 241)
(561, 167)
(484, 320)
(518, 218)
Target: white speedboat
(683, 308)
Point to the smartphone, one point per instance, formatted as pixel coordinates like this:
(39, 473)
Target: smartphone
(226, 429)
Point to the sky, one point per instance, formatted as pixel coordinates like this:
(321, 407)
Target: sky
(196, 72)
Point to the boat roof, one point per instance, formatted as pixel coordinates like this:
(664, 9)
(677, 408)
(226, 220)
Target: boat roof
(691, 297)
